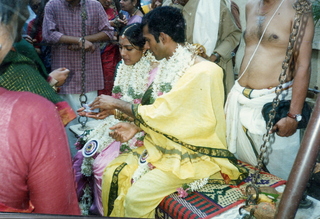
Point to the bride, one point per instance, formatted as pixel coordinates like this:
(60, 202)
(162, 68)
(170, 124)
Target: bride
(134, 74)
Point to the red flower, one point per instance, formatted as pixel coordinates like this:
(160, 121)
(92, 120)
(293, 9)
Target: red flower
(182, 193)
(138, 143)
(117, 95)
(136, 101)
(151, 167)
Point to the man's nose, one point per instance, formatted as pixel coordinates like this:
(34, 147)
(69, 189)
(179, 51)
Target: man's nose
(147, 46)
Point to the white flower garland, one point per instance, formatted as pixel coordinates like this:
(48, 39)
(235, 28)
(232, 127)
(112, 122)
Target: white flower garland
(171, 70)
(198, 184)
(132, 80)
(86, 201)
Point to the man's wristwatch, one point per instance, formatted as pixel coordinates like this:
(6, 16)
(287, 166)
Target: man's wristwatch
(297, 117)
(218, 57)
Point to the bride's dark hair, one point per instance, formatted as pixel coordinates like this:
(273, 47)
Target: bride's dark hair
(133, 33)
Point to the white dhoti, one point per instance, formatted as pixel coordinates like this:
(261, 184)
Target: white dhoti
(246, 127)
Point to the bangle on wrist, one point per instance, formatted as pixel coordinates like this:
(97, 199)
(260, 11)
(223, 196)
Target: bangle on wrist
(121, 116)
(80, 39)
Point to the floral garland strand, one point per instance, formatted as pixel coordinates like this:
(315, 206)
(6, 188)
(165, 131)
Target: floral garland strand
(186, 189)
(171, 70)
(86, 201)
(132, 80)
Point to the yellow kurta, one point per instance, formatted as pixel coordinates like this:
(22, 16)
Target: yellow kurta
(185, 137)
(192, 112)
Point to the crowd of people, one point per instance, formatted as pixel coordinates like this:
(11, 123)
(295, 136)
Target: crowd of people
(160, 80)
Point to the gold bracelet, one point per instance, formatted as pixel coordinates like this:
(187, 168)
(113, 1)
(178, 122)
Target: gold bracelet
(116, 114)
(121, 116)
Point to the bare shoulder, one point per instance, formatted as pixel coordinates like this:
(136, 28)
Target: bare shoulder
(207, 66)
(251, 4)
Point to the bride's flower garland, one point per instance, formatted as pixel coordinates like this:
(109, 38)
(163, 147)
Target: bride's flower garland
(130, 84)
(132, 80)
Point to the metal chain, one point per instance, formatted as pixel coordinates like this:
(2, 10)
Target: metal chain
(252, 191)
(83, 97)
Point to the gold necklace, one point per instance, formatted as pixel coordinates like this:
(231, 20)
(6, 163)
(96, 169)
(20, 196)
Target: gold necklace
(134, 12)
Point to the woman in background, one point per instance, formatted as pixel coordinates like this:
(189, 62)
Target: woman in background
(110, 55)
(133, 7)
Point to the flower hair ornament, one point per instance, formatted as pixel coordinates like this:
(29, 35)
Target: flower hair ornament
(124, 32)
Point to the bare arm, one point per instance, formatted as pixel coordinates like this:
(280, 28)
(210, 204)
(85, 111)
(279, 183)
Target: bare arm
(124, 131)
(301, 73)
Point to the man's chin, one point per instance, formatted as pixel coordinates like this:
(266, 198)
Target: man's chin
(157, 57)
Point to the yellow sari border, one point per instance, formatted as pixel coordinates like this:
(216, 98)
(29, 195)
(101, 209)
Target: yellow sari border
(212, 152)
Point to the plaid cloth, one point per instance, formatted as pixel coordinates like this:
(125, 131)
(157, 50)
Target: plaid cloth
(62, 19)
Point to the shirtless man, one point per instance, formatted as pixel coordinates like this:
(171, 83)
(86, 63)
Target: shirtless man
(259, 75)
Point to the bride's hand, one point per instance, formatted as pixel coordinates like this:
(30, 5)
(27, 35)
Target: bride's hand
(124, 131)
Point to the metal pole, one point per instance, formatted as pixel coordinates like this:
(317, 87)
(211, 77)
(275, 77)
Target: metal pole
(302, 168)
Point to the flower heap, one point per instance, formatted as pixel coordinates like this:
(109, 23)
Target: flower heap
(186, 189)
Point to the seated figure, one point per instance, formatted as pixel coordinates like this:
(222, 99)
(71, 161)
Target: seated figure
(133, 76)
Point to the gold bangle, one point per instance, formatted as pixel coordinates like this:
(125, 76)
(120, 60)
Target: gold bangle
(116, 115)
(121, 116)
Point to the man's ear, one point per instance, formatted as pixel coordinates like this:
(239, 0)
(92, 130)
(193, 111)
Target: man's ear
(134, 2)
(163, 37)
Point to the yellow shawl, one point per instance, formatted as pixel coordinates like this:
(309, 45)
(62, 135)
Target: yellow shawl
(186, 127)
